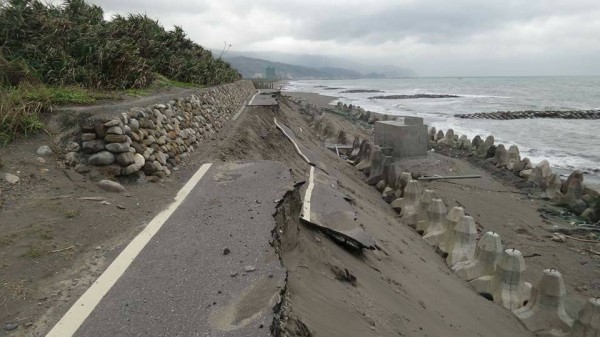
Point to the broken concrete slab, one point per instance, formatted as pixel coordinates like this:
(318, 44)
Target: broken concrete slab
(330, 211)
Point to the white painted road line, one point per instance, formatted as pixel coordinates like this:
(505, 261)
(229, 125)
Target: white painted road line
(293, 142)
(241, 109)
(308, 195)
(84, 306)
(252, 99)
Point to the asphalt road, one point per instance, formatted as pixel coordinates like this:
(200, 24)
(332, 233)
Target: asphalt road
(209, 270)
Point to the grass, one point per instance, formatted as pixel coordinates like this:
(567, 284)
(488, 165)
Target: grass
(22, 107)
(34, 251)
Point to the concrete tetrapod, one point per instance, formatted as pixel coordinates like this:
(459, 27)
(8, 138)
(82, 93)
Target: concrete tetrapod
(401, 183)
(393, 175)
(500, 156)
(448, 138)
(464, 241)
(545, 313)
(541, 172)
(487, 256)
(359, 156)
(574, 175)
(513, 155)
(553, 189)
(365, 158)
(454, 216)
(483, 147)
(476, 141)
(431, 134)
(378, 164)
(587, 323)
(436, 227)
(355, 149)
(410, 203)
(574, 191)
(439, 136)
(506, 286)
(423, 217)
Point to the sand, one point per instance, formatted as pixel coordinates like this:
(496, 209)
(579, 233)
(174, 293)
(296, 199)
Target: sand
(404, 289)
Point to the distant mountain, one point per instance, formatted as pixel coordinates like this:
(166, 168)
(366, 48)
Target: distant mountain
(321, 61)
(250, 67)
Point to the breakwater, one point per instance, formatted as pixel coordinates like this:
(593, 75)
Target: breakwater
(507, 115)
(414, 96)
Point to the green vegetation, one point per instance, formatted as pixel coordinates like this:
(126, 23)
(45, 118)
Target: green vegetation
(34, 251)
(69, 54)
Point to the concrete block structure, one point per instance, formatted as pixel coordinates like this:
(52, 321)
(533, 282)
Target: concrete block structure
(587, 323)
(407, 136)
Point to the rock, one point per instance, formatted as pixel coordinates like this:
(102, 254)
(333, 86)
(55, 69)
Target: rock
(380, 186)
(557, 237)
(114, 122)
(111, 186)
(138, 163)
(92, 146)
(72, 147)
(87, 137)
(249, 268)
(11, 178)
(40, 160)
(9, 326)
(114, 138)
(72, 158)
(226, 251)
(101, 158)
(44, 150)
(117, 147)
(115, 130)
(124, 159)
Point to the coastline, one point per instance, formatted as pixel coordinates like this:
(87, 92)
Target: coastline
(590, 180)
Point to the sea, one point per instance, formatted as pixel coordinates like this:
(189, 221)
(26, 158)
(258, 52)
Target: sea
(567, 144)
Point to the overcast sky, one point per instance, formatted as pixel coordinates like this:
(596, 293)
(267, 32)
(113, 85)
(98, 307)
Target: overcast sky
(433, 37)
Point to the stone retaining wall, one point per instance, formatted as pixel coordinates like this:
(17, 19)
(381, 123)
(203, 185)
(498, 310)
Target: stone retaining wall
(154, 139)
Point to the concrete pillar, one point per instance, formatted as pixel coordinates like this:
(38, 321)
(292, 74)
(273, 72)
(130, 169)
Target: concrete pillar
(545, 312)
(507, 286)
(487, 256)
(454, 216)
(464, 241)
(423, 218)
(436, 228)
(587, 323)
